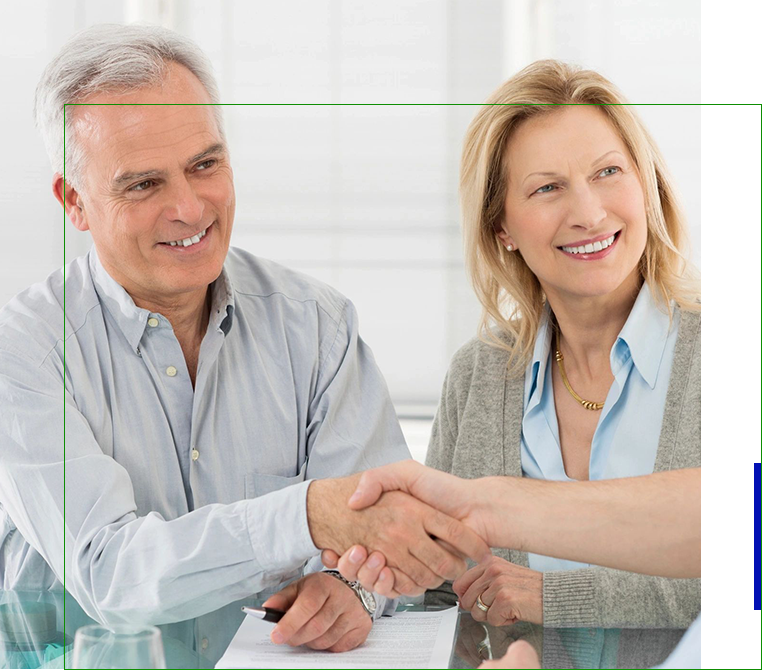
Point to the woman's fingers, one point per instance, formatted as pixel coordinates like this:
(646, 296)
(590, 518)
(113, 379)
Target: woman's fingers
(351, 562)
(463, 583)
(329, 558)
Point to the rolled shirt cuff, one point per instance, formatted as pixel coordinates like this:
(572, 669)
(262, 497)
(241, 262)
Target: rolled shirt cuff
(278, 529)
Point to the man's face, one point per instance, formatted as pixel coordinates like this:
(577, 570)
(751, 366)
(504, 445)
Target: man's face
(153, 176)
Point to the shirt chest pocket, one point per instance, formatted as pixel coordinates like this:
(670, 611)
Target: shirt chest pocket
(256, 484)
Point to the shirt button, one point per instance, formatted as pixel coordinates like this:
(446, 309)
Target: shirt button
(204, 643)
(153, 322)
(171, 370)
(194, 454)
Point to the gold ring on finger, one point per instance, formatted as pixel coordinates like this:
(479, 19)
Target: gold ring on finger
(480, 604)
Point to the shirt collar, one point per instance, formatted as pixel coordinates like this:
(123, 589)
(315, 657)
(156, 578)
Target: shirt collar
(542, 345)
(132, 319)
(643, 337)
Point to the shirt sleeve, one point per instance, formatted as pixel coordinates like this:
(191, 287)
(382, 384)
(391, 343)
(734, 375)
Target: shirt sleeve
(352, 422)
(352, 425)
(75, 506)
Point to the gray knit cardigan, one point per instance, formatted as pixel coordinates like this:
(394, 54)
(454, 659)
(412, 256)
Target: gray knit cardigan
(477, 433)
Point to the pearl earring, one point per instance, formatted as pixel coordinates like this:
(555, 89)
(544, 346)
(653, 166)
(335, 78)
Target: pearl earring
(509, 247)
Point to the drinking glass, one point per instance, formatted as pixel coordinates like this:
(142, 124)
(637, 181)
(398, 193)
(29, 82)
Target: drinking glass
(119, 646)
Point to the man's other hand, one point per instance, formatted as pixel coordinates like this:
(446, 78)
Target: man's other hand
(322, 613)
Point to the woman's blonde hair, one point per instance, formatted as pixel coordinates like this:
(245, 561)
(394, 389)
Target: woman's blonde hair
(508, 290)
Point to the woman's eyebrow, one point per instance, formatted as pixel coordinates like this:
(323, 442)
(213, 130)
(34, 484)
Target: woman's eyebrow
(555, 174)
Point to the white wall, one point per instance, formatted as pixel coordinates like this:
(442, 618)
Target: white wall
(363, 197)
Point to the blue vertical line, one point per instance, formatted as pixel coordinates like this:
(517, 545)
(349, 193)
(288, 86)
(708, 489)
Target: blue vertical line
(757, 503)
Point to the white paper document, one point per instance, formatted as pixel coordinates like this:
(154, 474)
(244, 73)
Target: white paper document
(405, 640)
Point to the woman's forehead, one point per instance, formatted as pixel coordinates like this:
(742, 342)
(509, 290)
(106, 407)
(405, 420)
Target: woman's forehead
(548, 141)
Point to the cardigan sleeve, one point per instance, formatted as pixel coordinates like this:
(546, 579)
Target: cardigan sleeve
(605, 598)
(439, 455)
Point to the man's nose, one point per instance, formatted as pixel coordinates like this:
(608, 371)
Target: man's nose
(586, 208)
(184, 204)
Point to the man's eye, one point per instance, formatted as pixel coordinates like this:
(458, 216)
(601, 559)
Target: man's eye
(142, 186)
(205, 165)
(613, 167)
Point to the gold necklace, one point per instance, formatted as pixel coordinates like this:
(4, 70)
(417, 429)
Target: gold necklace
(587, 404)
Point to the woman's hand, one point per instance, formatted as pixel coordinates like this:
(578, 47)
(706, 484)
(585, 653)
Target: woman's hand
(511, 592)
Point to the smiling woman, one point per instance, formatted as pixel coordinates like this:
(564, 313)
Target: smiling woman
(588, 360)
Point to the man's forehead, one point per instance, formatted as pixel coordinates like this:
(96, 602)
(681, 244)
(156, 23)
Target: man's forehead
(170, 120)
(145, 137)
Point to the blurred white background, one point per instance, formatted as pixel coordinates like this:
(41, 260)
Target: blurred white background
(363, 197)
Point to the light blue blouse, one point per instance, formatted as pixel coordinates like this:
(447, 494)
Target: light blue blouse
(627, 435)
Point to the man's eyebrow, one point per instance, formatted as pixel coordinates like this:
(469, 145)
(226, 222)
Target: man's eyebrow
(214, 150)
(129, 177)
(554, 174)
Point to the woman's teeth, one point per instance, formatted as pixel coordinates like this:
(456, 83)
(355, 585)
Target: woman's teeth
(188, 241)
(591, 248)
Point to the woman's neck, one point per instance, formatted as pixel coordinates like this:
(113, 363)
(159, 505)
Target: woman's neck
(588, 327)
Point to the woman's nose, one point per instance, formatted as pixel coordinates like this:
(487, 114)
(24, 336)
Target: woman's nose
(586, 209)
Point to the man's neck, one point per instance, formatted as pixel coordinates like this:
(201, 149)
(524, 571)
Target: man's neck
(188, 314)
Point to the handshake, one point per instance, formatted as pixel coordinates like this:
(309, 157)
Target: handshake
(401, 529)
(404, 528)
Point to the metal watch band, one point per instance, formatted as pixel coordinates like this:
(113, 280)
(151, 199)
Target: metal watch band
(361, 593)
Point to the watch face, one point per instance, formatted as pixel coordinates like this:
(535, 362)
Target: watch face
(367, 599)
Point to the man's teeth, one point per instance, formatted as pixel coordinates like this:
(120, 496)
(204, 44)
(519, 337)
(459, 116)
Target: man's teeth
(590, 248)
(188, 240)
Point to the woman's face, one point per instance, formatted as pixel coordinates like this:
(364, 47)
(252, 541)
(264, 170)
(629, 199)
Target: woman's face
(574, 205)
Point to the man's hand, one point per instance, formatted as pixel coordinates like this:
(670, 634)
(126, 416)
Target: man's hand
(468, 500)
(512, 593)
(460, 499)
(322, 613)
(402, 528)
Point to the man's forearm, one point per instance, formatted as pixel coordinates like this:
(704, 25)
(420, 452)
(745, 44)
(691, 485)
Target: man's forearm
(649, 524)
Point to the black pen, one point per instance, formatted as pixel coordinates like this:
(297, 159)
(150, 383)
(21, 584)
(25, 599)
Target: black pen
(264, 613)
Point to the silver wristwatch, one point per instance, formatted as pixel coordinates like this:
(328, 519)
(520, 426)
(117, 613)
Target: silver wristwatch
(367, 599)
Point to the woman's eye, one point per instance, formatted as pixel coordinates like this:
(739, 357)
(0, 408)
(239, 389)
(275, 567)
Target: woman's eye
(540, 190)
(609, 168)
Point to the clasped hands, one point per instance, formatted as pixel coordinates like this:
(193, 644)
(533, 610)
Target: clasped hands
(399, 530)
(464, 525)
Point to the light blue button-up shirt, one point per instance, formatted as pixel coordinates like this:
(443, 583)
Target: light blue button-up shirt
(176, 502)
(627, 436)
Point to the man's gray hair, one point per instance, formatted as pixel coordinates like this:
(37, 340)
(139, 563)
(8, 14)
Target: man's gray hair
(109, 58)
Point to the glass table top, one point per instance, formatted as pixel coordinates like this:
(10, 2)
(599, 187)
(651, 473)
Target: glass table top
(37, 631)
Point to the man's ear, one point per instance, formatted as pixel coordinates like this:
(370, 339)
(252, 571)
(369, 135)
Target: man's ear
(506, 240)
(71, 200)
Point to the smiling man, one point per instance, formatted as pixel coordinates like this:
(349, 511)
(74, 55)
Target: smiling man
(202, 388)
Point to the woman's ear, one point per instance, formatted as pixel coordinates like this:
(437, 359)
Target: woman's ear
(71, 200)
(506, 240)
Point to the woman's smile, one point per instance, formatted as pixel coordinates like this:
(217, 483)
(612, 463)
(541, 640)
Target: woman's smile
(591, 250)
